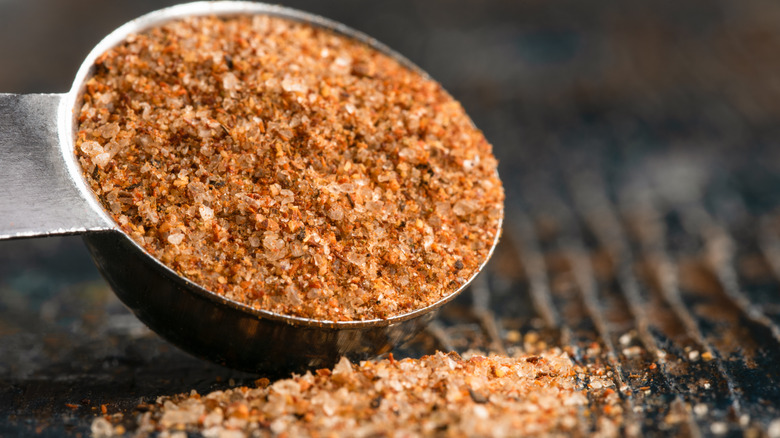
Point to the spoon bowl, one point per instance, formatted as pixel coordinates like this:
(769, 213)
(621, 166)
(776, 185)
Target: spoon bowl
(48, 196)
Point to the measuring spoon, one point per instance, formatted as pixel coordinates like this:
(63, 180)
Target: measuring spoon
(43, 193)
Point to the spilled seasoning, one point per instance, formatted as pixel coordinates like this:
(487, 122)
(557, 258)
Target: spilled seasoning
(436, 395)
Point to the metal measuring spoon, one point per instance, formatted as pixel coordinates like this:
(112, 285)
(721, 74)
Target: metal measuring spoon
(43, 193)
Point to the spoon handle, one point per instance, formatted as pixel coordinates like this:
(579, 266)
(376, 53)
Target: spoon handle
(38, 196)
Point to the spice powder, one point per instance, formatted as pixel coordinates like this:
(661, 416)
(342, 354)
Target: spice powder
(289, 168)
(436, 395)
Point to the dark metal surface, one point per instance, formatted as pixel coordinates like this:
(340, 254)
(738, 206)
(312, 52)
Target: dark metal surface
(640, 151)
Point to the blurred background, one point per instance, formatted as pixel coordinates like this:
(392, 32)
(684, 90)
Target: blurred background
(638, 145)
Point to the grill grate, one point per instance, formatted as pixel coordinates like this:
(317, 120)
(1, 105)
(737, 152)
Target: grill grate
(638, 146)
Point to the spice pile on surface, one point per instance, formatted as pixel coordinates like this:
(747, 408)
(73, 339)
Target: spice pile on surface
(441, 394)
(289, 168)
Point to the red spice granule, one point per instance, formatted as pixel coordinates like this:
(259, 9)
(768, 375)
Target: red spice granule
(289, 168)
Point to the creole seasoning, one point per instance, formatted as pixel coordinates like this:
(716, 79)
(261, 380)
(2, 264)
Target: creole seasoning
(437, 395)
(289, 168)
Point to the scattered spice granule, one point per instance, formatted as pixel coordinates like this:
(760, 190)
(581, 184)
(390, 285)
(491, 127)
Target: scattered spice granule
(289, 168)
(437, 395)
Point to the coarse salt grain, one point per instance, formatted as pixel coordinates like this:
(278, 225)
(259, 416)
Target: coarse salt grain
(293, 85)
(229, 81)
(719, 428)
(206, 213)
(110, 130)
(773, 431)
(101, 160)
(480, 412)
(102, 428)
(91, 148)
(175, 239)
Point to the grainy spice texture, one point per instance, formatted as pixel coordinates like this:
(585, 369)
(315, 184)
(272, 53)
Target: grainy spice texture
(437, 395)
(288, 168)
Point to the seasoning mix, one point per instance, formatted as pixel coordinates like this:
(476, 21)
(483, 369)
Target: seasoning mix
(289, 168)
(437, 395)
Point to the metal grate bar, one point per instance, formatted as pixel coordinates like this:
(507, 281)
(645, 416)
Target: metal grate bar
(697, 322)
(743, 335)
(769, 243)
(480, 293)
(596, 338)
(706, 385)
(527, 244)
(602, 218)
(535, 269)
(719, 254)
(769, 246)
(622, 289)
(439, 334)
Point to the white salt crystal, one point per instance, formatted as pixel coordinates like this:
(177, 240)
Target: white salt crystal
(428, 241)
(336, 212)
(102, 428)
(374, 206)
(148, 212)
(344, 367)
(481, 412)
(92, 148)
(110, 130)
(229, 81)
(175, 239)
(177, 415)
(279, 425)
(206, 212)
(272, 242)
(101, 160)
(357, 259)
(464, 207)
(347, 188)
(230, 433)
(576, 399)
(443, 208)
(293, 85)
(719, 428)
(341, 65)
(773, 431)
(292, 296)
(407, 154)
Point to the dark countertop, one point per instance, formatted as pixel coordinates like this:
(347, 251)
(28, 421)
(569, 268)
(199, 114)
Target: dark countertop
(676, 102)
